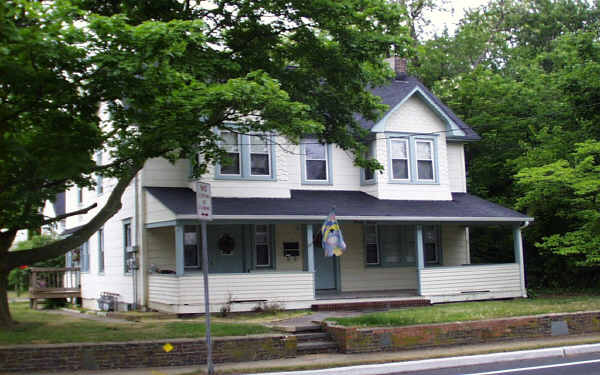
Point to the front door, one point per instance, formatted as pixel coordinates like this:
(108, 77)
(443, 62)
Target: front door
(325, 277)
(225, 249)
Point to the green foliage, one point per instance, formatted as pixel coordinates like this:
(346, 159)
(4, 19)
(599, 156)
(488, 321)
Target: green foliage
(18, 278)
(525, 75)
(576, 182)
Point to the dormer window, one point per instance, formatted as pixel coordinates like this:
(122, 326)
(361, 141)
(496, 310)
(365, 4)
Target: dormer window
(412, 159)
(399, 154)
(425, 160)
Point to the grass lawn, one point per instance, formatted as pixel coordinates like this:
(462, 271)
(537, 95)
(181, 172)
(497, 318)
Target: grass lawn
(13, 294)
(465, 311)
(43, 327)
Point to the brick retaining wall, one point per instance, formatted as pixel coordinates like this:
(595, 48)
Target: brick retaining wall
(363, 340)
(186, 352)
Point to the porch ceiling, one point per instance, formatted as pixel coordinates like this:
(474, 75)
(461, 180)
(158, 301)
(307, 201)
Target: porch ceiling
(349, 205)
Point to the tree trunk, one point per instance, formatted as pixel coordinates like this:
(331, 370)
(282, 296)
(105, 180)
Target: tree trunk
(5, 318)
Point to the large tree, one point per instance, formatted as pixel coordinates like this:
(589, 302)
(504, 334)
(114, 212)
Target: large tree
(170, 74)
(524, 74)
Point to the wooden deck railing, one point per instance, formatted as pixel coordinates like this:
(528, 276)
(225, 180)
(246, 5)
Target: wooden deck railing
(54, 282)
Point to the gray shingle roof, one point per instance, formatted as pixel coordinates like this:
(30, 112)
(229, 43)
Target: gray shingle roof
(396, 91)
(354, 204)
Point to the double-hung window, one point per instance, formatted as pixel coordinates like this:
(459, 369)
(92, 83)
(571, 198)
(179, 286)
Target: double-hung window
(413, 159)
(84, 255)
(399, 156)
(425, 171)
(232, 145)
(99, 180)
(316, 162)
(260, 156)
(128, 254)
(262, 246)
(368, 174)
(101, 251)
(249, 157)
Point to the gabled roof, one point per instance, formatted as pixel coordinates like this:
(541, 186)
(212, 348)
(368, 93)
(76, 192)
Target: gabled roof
(398, 91)
(349, 205)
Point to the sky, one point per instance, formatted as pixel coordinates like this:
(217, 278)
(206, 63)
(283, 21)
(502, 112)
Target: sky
(450, 19)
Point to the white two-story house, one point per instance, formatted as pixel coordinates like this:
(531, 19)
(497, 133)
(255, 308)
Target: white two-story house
(406, 227)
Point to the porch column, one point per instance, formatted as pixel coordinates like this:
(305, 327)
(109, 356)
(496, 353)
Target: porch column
(310, 249)
(420, 255)
(179, 262)
(518, 247)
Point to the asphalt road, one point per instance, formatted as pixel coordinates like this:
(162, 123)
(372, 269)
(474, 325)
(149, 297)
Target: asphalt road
(588, 364)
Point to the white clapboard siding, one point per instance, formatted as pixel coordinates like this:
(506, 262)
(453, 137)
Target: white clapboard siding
(500, 278)
(181, 293)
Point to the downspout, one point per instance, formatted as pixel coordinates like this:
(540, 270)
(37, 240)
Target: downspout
(136, 217)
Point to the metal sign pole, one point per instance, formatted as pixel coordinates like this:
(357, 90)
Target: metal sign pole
(204, 209)
(209, 362)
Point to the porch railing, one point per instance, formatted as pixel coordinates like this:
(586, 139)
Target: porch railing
(54, 282)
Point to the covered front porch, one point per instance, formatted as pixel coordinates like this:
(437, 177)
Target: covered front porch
(276, 259)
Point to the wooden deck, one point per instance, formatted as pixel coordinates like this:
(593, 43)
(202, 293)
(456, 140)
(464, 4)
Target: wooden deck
(54, 283)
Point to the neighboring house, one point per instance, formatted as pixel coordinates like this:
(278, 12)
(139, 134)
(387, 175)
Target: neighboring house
(406, 227)
(51, 209)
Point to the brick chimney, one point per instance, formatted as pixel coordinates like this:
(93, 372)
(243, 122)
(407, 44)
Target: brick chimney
(400, 67)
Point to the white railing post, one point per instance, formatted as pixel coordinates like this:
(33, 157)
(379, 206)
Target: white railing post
(179, 257)
(420, 255)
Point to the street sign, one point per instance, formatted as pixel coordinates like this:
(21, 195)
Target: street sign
(203, 201)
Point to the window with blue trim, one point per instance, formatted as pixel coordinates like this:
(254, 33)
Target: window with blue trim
(368, 174)
(316, 162)
(249, 157)
(128, 254)
(85, 257)
(100, 251)
(99, 180)
(413, 159)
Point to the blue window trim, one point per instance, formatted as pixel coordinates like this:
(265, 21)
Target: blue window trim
(412, 158)
(328, 150)
(101, 252)
(245, 164)
(126, 270)
(84, 257)
(99, 179)
(372, 155)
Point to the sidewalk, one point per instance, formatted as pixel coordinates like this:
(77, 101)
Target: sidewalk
(322, 361)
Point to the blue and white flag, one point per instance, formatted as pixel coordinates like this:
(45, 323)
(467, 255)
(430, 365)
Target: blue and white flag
(333, 241)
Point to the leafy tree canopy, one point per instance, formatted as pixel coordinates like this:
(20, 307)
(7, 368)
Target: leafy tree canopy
(170, 73)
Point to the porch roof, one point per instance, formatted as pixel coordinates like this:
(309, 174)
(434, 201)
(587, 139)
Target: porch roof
(349, 205)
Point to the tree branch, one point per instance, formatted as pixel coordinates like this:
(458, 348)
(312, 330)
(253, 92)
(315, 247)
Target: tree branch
(112, 206)
(68, 214)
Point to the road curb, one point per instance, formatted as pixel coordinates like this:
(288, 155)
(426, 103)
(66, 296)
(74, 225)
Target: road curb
(440, 363)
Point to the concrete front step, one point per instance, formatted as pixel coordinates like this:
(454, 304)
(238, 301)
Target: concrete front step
(317, 347)
(370, 305)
